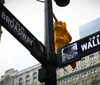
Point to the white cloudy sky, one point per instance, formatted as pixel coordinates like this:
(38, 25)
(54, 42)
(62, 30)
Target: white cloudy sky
(31, 14)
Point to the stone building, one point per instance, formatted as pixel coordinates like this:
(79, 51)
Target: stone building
(89, 28)
(28, 76)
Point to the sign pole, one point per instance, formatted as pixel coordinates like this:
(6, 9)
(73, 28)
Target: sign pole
(1, 1)
(49, 36)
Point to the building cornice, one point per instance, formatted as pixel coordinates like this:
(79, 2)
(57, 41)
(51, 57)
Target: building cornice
(78, 72)
(29, 69)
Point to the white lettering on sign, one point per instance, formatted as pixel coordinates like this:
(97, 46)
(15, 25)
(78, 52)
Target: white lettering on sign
(15, 26)
(93, 42)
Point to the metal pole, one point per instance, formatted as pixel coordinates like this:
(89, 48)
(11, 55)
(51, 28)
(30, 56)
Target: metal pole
(1, 1)
(49, 36)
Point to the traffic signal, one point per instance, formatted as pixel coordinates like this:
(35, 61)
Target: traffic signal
(61, 37)
(62, 2)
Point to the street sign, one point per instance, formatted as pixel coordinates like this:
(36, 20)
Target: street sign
(76, 50)
(22, 34)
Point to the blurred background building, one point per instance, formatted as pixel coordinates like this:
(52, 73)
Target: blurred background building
(87, 71)
(89, 28)
(28, 76)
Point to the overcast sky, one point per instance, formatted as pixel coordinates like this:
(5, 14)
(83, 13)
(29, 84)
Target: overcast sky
(31, 14)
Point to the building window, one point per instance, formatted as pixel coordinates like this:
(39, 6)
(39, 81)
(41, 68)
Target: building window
(68, 80)
(20, 81)
(99, 53)
(73, 84)
(76, 83)
(27, 79)
(58, 83)
(58, 72)
(96, 77)
(92, 72)
(65, 82)
(73, 78)
(91, 57)
(93, 78)
(86, 74)
(83, 76)
(82, 60)
(77, 77)
(12, 82)
(95, 70)
(84, 82)
(34, 75)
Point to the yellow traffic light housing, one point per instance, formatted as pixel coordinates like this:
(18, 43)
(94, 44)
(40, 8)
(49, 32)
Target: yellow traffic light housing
(61, 36)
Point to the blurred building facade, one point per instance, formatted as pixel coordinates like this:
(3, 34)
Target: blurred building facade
(28, 76)
(87, 71)
(89, 28)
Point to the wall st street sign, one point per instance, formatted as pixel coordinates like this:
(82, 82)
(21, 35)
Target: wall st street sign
(22, 34)
(76, 50)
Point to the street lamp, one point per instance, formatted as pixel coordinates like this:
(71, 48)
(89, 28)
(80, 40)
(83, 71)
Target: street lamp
(62, 3)
(2, 1)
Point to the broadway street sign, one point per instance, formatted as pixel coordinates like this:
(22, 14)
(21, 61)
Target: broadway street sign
(76, 50)
(22, 34)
